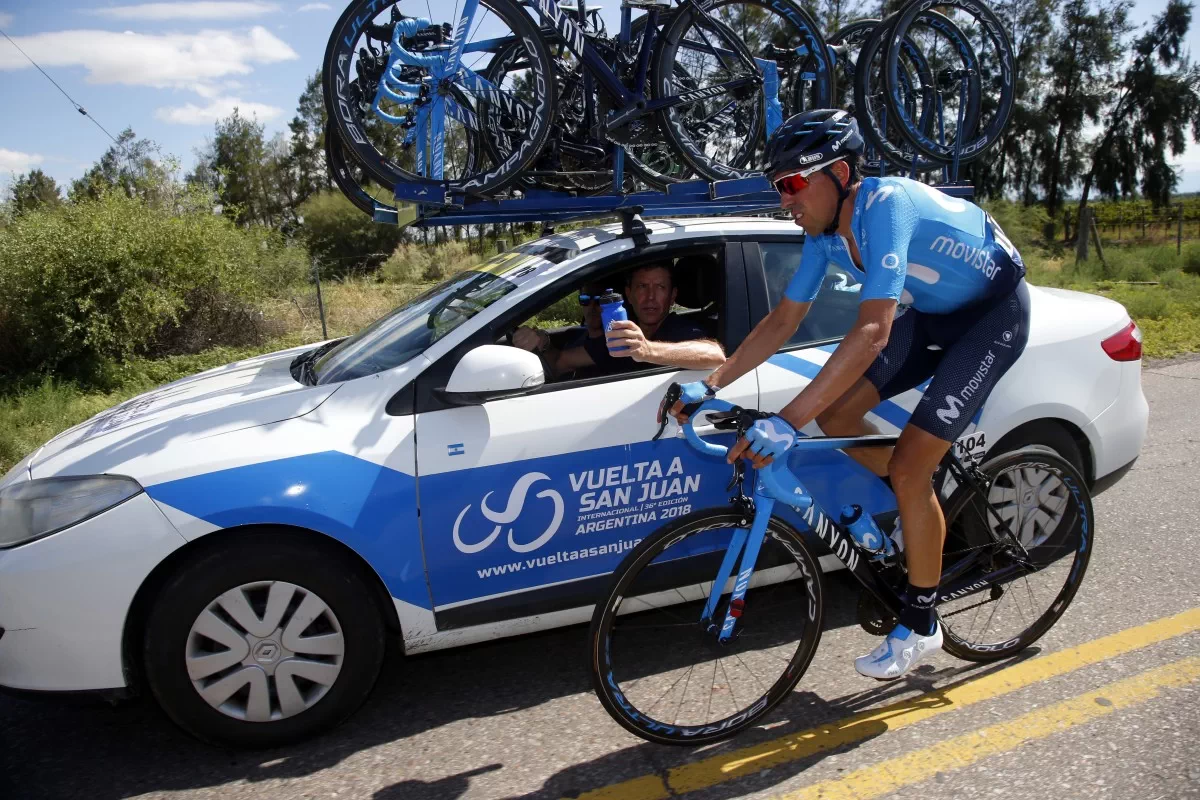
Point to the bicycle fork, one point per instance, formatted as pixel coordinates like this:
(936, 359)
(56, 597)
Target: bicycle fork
(746, 542)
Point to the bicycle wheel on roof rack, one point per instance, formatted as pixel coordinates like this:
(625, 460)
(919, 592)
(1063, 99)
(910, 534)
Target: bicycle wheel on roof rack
(717, 126)
(349, 176)
(878, 124)
(980, 66)
(408, 97)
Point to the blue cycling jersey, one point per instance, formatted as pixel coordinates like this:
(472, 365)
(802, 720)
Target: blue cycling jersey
(919, 246)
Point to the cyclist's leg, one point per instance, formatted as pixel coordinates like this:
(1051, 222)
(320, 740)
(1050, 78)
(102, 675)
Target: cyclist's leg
(980, 346)
(904, 362)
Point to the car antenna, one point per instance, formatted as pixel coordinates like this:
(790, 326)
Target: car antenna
(632, 225)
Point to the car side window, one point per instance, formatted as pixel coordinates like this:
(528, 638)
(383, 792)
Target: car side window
(836, 307)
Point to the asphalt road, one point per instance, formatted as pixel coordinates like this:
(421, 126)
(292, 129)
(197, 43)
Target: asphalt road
(1116, 719)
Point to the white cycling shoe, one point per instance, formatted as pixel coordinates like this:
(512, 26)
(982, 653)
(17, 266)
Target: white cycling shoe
(898, 653)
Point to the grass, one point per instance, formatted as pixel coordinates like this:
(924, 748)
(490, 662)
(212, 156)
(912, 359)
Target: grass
(1160, 289)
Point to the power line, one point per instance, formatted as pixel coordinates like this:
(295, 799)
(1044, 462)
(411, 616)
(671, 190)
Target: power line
(78, 107)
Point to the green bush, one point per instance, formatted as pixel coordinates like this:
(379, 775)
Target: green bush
(1191, 260)
(415, 263)
(1145, 305)
(343, 239)
(1162, 259)
(1135, 271)
(110, 278)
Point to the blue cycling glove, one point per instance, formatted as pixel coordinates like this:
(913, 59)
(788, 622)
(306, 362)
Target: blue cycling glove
(696, 392)
(772, 436)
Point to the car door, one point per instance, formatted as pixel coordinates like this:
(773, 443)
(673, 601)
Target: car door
(833, 477)
(528, 503)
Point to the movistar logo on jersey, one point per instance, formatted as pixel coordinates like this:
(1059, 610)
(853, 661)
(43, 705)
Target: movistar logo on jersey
(979, 258)
(950, 412)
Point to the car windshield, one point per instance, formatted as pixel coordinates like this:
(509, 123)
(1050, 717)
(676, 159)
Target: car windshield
(410, 329)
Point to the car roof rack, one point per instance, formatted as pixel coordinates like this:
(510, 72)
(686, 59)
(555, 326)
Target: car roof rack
(439, 205)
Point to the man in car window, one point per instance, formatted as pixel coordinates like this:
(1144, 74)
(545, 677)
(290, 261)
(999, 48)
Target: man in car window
(658, 336)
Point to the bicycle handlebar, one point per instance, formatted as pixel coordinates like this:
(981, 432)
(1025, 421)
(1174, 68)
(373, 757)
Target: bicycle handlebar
(694, 439)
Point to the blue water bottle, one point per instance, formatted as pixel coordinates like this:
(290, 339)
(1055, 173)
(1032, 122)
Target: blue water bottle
(612, 309)
(864, 530)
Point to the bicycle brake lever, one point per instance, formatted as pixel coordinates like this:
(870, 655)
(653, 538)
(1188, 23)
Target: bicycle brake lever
(669, 399)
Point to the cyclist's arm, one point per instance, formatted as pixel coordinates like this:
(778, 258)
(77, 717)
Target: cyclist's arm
(848, 363)
(762, 343)
(777, 327)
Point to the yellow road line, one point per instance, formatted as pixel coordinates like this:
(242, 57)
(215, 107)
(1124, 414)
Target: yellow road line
(803, 744)
(920, 765)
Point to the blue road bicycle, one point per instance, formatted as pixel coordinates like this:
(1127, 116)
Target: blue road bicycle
(423, 102)
(712, 620)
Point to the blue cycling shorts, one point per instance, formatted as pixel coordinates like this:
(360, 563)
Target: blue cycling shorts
(975, 346)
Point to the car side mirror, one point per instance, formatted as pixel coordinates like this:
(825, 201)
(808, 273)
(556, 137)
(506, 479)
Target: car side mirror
(493, 371)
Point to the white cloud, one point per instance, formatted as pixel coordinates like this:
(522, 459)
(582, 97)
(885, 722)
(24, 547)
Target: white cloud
(315, 7)
(14, 161)
(7, 19)
(158, 12)
(158, 60)
(219, 108)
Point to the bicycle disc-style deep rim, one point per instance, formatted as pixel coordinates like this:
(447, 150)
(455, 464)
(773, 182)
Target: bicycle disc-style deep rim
(1082, 527)
(878, 140)
(606, 613)
(670, 121)
(340, 54)
(994, 28)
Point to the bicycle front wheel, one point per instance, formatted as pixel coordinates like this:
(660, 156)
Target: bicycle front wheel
(1042, 501)
(400, 120)
(656, 662)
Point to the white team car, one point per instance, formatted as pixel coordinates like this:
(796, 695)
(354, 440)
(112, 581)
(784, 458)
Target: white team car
(241, 543)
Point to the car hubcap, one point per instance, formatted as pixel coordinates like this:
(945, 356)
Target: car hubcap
(265, 651)
(1031, 501)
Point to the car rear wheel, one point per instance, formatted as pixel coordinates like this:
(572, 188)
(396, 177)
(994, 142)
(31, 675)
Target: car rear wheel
(263, 641)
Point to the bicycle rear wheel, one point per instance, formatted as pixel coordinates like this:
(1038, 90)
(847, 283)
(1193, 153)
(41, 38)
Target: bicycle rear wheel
(659, 669)
(1045, 503)
(718, 125)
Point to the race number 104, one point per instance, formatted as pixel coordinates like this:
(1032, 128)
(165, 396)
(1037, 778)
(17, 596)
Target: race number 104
(971, 446)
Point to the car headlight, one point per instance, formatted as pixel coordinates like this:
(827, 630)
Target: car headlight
(32, 509)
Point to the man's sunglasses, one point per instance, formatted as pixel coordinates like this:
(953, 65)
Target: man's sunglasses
(587, 299)
(797, 181)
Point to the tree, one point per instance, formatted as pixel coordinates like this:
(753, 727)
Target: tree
(32, 192)
(1083, 53)
(129, 165)
(307, 158)
(1158, 100)
(1013, 167)
(242, 169)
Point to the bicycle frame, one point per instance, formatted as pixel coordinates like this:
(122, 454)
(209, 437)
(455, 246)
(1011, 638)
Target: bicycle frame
(442, 65)
(777, 484)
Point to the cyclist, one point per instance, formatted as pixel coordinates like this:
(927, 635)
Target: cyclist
(966, 323)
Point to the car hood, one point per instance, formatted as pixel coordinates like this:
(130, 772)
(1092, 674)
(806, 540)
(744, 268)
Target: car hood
(245, 394)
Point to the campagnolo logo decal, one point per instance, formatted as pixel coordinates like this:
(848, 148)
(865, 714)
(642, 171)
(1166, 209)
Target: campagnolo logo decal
(510, 514)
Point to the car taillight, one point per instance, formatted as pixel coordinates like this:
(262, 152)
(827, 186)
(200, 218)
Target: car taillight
(1125, 344)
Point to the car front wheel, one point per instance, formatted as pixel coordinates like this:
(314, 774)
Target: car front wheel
(263, 641)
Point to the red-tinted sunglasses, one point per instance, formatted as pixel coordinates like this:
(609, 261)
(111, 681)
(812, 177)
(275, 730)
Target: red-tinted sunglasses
(797, 181)
(790, 184)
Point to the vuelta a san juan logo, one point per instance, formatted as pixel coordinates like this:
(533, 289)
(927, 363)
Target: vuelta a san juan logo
(511, 512)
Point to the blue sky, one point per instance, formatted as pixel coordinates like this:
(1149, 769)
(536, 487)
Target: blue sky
(169, 70)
